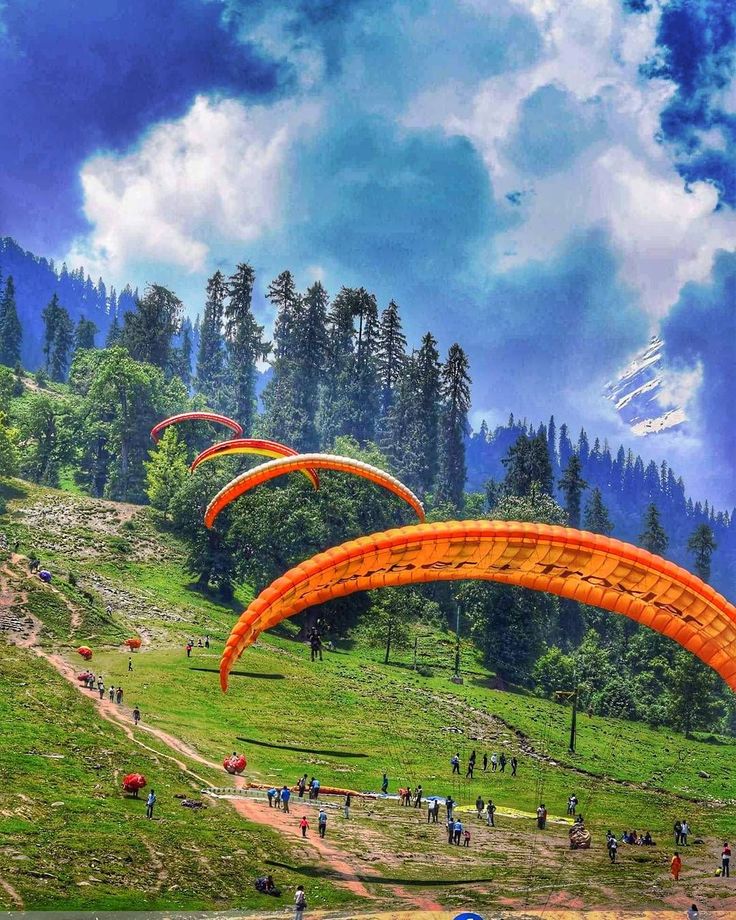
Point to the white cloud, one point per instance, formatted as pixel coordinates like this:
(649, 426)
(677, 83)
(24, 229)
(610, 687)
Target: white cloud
(215, 174)
(666, 234)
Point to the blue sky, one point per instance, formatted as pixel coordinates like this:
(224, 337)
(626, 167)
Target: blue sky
(547, 182)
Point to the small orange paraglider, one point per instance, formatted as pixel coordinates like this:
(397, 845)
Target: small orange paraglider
(235, 764)
(85, 652)
(133, 783)
(133, 643)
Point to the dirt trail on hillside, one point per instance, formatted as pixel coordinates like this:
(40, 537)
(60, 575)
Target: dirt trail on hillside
(24, 632)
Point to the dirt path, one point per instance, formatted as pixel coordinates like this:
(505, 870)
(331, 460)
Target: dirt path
(344, 871)
(12, 894)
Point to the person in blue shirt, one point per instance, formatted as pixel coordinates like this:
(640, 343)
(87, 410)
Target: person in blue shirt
(458, 829)
(285, 796)
(271, 795)
(322, 822)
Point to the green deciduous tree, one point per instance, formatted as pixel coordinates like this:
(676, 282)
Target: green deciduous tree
(166, 471)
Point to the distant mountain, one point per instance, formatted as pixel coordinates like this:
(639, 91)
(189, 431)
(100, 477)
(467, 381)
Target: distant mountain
(37, 279)
(637, 393)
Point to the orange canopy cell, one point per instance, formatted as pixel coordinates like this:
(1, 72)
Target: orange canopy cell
(585, 567)
(274, 468)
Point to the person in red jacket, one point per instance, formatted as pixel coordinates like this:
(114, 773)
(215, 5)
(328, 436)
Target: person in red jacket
(726, 860)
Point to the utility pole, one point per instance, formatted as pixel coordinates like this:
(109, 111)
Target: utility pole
(456, 679)
(573, 723)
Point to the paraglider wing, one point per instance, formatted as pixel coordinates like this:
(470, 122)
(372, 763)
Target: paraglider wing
(274, 468)
(133, 643)
(235, 765)
(132, 782)
(196, 417)
(85, 652)
(257, 446)
(585, 567)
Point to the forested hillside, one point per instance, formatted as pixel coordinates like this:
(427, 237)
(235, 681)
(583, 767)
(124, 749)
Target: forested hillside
(342, 377)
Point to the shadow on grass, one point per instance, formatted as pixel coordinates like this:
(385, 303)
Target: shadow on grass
(317, 872)
(299, 750)
(255, 674)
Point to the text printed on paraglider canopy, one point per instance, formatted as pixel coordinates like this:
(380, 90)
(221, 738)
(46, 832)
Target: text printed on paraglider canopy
(552, 570)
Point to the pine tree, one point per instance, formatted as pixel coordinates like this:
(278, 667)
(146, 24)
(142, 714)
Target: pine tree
(653, 538)
(572, 485)
(11, 332)
(114, 332)
(211, 356)
(282, 418)
(391, 356)
(552, 441)
(84, 334)
(702, 544)
(429, 390)
(364, 392)
(453, 427)
(335, 402)
(245, 345)
(596, 518)
(58, 339)
(311, 358)
(564, 449)
(149, 329)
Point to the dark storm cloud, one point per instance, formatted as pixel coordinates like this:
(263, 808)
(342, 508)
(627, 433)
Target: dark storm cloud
(697, 45)
(76, 77)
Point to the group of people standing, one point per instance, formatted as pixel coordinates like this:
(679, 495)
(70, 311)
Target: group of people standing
(313, 786)
(200, 644)
(497, 763)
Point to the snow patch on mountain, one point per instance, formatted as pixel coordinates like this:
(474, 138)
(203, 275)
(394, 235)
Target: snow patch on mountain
(642, 393)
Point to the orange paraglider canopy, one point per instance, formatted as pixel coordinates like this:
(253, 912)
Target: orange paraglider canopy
(261, 447)
(585, 567)
(133, 643)
(197, 417)
(274, 468)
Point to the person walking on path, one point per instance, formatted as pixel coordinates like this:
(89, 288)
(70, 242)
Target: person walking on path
(136, 716)
(490, 813)
(494, 762)
(112, 694)
(119, 696)
(612, 848)
(726, 861)
(449, 804)
(514, 765)
(502, 762)
(130, 664)
(684, 831)
(479, 806)
(300, 903)
(101, 688)
(285, 796)
(346, 806)
(302, 785)
(304, 825)
(676, 866)
(322, 822)
(384, 785)
(150, 802)
(418, 797)
(541, 817)
(457, 832)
